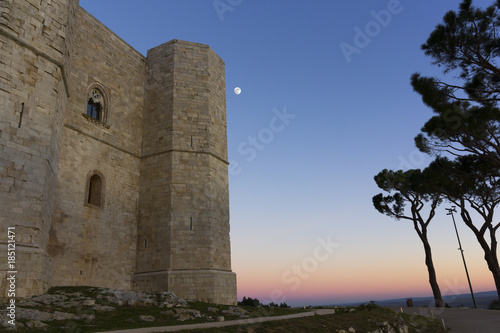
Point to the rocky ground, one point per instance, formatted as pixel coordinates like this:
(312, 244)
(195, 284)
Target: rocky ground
(89, 309)
(64, 306)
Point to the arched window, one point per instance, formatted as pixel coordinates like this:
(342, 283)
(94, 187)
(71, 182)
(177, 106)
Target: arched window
(94, 191)
(97, 103)
(94, 109)
(95, 187)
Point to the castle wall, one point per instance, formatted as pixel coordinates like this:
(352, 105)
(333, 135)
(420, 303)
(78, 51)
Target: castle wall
(161, 221)
(183, 232)
(33, 96)
(97, 245)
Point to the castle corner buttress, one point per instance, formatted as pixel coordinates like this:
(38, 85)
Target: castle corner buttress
(113, 165)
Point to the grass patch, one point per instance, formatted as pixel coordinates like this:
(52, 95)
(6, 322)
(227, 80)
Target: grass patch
(127, 317)
(266, 311)
(362, 319)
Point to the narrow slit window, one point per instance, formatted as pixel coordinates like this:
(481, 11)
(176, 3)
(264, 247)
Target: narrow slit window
(95, 187)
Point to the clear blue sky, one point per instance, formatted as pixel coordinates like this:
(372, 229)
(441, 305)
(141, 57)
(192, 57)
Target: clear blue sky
(351, 113)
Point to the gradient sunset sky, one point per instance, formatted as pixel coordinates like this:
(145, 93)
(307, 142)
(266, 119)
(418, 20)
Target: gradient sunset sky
(326, 104)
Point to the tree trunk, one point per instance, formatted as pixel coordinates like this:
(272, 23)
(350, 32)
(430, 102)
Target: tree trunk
(432, 275)
(492, 261)
(496, 276)
(490, 254)
(438, 299)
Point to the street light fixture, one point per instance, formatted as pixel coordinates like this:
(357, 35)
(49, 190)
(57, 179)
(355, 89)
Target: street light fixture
(450, 212)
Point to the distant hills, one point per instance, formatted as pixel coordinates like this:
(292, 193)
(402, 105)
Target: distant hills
(483, 300)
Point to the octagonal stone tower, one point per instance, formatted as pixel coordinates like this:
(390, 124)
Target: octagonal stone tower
(183, 228)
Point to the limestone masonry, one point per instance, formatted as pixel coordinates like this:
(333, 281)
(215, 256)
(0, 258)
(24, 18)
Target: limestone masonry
(113, 166)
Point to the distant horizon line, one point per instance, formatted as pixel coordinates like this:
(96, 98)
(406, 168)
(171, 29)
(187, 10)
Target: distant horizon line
(480, 293)
(300, 303)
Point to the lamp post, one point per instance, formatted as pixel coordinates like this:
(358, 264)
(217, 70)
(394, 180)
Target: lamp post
(450, 212)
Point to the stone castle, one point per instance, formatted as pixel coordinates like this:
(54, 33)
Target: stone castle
(113, 165)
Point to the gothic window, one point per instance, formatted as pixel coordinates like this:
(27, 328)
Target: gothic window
(94, 109)
(96, 103)
(94, 193)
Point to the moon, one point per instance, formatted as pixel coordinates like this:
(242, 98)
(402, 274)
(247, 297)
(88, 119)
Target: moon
(237, 90)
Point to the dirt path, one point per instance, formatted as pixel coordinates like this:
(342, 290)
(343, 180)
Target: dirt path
(250, 321)
(461, 320)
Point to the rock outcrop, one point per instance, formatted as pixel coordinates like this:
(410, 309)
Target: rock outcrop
(39, 311)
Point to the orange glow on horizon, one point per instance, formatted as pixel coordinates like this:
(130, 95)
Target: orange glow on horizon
(330, 286)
